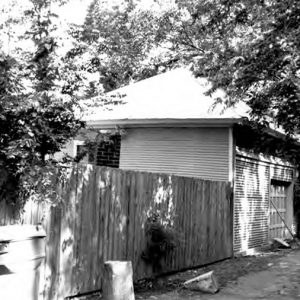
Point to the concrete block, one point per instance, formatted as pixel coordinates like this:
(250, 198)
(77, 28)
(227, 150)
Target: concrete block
(117, 281)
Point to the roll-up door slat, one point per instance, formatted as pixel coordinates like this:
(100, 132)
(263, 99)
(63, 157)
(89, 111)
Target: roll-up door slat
(251, 205)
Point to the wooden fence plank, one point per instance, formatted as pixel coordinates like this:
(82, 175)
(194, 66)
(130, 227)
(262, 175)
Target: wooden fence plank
(104, 217)
(93, 228)
(77, 229)
(124, 215)
(107, 195)
(137, 223)
(52, 254)
(131, 214)
(197, 209)
(117, 219)
(85, 242)
(67, 235)
(212, 225)
(95, 234)
(111, 223)
(219, 227)
(139, 233)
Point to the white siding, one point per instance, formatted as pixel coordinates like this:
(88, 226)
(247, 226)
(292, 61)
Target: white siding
(192, 152)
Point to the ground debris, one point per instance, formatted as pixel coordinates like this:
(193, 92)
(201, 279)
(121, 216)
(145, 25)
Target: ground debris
(206, 282)
(280, 243)
(227, 271)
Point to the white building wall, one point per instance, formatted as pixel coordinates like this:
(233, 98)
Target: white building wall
(192, 152)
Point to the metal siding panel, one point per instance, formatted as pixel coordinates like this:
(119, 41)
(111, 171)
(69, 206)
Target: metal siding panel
(251, 205)
(192, 152)
(282, 173)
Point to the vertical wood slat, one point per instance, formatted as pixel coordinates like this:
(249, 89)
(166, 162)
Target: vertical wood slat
(131, 216)
(95, 224)
(85, 240)
(182, 225)
(52, 253)
(67, 235)
(104, 215)
(174, 180)
(77, 229)
(140, 203)
(190, 203)
(100, 266)
(111, 222)
(92, 234)
(117, 220)
(212, 240)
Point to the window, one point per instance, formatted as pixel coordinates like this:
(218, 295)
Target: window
(85, 154)
(105, 153)
(108, 152)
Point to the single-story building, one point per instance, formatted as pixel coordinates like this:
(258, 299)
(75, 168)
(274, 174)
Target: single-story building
(167, 124)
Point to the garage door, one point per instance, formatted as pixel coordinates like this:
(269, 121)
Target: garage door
(251, 204)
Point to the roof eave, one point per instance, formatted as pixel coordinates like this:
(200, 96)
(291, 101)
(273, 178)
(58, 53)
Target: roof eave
(129, 123)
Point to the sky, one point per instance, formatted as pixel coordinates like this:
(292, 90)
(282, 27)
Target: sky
(74, 11)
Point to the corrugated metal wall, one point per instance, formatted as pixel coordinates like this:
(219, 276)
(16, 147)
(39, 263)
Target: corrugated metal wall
(252, 201)
(251, 205)
(192, 152)
(279, 173)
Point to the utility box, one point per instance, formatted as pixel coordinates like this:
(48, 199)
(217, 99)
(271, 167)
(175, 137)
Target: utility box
(22, 251)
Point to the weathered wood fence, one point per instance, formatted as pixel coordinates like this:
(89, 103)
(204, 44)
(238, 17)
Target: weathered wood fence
(103, 218)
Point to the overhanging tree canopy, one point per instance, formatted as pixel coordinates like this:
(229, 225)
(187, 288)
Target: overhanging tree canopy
(252, 50)
(249, 48)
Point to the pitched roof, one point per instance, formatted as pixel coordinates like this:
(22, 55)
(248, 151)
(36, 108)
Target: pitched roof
(174, 95)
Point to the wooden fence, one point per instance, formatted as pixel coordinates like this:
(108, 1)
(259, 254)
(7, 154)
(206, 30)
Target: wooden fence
(103, 218)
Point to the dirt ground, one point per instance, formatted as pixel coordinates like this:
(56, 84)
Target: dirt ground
(268, 275)
(271, 274)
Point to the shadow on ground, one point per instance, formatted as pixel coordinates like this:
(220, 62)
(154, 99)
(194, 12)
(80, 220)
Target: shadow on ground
(269, 275)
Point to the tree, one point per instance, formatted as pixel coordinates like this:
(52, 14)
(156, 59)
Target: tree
(126, 40)
(251, 50)
(248, 48)
(36, 118)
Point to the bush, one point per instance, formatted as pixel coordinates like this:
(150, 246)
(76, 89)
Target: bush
(161, 241)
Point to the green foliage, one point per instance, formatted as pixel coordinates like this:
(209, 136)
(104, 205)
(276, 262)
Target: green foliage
(260, 139)
(36, 119)
(248, 48)
(251, 49)
(124, 41)
(161, 241)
